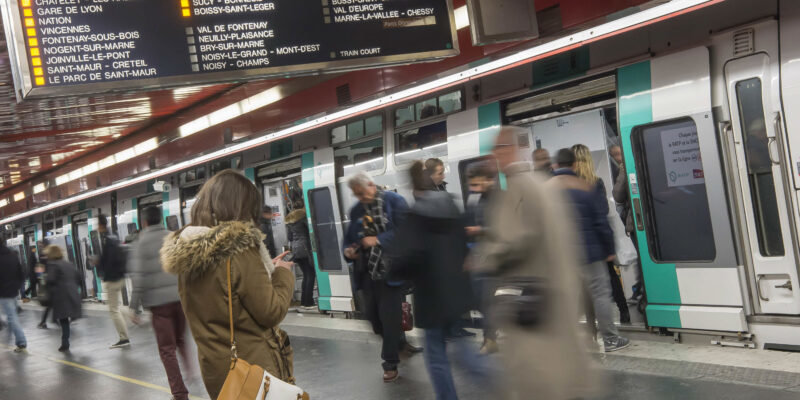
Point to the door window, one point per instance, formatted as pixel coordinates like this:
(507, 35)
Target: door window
(673, 191)
(759, 168)
(324, 223)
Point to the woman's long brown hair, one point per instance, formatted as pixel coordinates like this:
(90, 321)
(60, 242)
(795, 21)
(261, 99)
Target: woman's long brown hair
(227, 196)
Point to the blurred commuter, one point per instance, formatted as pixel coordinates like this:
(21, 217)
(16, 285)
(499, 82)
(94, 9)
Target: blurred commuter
(430, 249)
(63, 288)
(266, 228)
(112, 267)
(300, 242)
(622, 197)
(591, 212)
(33, 277)
(373, 222)
(158, 291)
(584, 168)
(616, 160)
(12, 275)
(481, 178)
(542, 165)
(222, 237)
(434, 168)
(530, 238)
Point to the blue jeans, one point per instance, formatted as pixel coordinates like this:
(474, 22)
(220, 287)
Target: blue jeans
(438, 364)
(9, 306)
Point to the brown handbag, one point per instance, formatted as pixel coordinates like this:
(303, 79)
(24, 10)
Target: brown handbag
(245, 381)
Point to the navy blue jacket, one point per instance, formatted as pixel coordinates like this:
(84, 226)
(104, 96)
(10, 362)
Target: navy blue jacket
(591, 213)
(394, 208)
(12, 274)
(113, 260)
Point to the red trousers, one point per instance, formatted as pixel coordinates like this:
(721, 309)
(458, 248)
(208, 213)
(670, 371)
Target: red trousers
(169, 323)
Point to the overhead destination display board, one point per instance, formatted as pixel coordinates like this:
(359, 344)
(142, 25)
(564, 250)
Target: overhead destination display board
(69, 47)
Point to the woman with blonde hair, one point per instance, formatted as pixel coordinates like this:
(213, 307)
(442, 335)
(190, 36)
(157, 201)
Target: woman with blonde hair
(584, 168)
(223, 242)
(63, 289)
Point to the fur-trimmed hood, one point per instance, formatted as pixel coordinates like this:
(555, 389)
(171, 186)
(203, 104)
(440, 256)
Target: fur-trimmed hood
(195, 250)
(296, 215)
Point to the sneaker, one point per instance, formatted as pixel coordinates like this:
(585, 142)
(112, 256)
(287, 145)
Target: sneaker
(307, 309)
(63, 349)
(489, 347)
(616, 343)
(390, 376)
(21, 349)
(120, 344)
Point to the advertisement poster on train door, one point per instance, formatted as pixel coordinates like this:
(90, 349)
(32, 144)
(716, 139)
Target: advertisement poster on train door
(682, 160)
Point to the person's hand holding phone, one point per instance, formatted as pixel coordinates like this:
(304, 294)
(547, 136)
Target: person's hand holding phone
(280, 263)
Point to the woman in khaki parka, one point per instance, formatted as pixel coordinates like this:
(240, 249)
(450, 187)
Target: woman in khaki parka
(224, 228)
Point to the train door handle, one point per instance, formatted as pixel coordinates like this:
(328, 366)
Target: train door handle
(773, 141)
(637, 211)
(758, 289)
(787, 285)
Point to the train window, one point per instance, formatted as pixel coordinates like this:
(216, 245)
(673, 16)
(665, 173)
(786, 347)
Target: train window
(355, 130)
(428, 108)
(425, 142)
(364, 156)
(759, 168)
(673, 191)
(326, 240)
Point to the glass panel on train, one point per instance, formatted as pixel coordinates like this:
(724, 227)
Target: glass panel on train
(450, 102)
(427, 108)
(373, 125)
(355, 130)
(364, 156)
(324, 224)
(422, 143)
(404, 115)
(339, 134)
(674, 192)
(759, 168)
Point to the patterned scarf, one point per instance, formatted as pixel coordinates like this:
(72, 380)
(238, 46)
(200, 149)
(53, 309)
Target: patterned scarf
(375, 224)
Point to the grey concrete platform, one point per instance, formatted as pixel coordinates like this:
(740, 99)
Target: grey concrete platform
(338, 359)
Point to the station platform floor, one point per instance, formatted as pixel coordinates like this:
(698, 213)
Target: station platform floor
(339, 359)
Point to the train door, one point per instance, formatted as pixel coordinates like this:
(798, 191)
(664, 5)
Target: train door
(325, 228)
(83, 251)
(29, 239)
(758, 143)
(188, 195)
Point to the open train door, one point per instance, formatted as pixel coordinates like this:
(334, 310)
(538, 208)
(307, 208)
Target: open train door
(689, 262)
(325, 228)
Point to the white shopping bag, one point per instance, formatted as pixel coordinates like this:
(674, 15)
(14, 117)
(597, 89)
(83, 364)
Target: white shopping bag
(626, 253)
(278, 389)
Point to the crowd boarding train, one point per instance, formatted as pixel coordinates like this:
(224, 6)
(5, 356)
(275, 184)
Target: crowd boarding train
(706, 109)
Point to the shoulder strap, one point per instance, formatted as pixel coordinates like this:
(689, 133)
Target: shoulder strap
(234, 354)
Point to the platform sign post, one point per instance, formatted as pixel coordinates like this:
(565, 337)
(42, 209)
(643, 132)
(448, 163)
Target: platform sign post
(69, 47)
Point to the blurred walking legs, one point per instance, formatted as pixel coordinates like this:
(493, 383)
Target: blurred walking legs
(436, 360)
(9, 306)
(114, 297)
(169, 324)
(595, 277)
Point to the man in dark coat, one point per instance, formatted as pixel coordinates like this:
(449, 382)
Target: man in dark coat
(266, 228)
(591, 211)
(373, 222)
(12, 274)
(112, 268)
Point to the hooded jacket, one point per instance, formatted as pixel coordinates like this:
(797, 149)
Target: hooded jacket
(260, 295)
(297, 225)
(591, 211)
(63, 288)
(430, 249)
(151, 285)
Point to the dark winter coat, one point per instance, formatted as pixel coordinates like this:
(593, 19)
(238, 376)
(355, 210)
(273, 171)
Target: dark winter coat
(591, 212)
(297, 228)
(113, 260)
(269, 240)
(63, 289)
(12, 274)
(430, 249)
(261, 298)
(622, 196)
